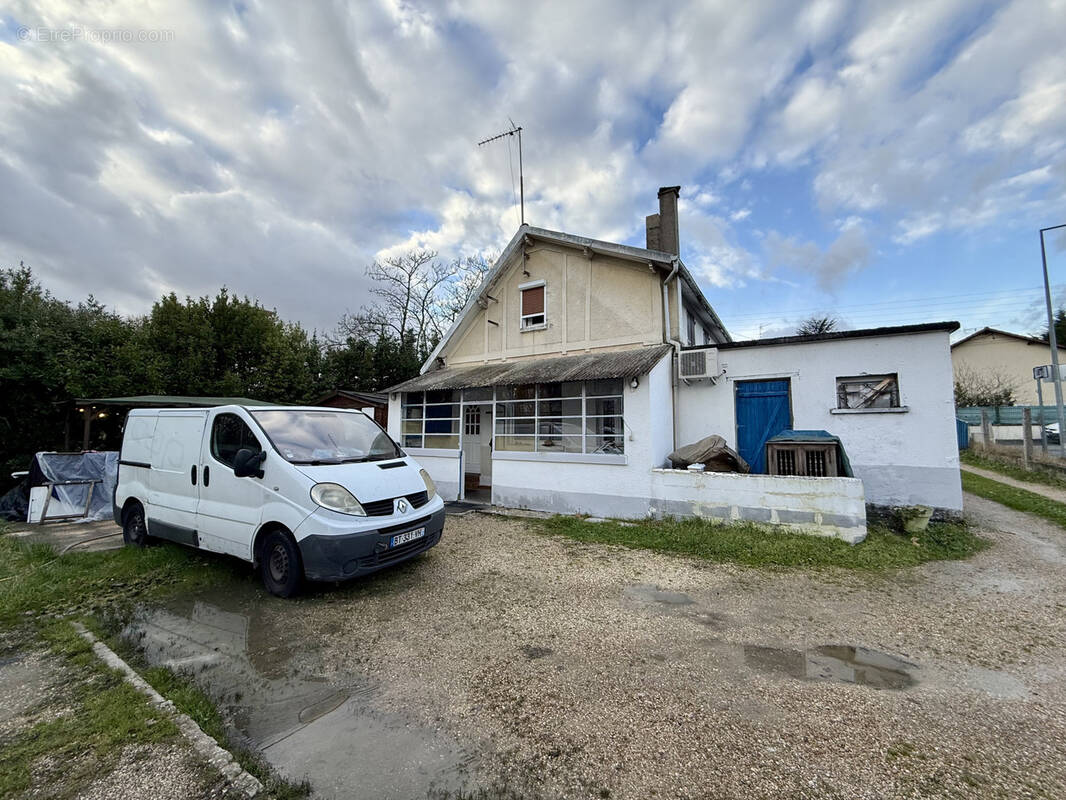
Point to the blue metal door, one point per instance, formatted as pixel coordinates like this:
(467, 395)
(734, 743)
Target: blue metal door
(763, 410)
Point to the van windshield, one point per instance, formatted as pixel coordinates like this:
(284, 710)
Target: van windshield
(326, 437)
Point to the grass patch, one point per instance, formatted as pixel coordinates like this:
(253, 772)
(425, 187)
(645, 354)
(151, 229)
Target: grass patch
(1012, 468)
(1018, 499)
(754, 546)
(34, 579)
(96, 715)
(108, 713)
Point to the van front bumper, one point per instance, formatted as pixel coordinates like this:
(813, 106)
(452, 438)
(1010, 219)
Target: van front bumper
(338, 557)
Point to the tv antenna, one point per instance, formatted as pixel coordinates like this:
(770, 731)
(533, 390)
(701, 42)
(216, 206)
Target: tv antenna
(516, 130)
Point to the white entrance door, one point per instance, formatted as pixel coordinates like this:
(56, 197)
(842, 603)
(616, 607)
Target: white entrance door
(486, 445)
(472, 440)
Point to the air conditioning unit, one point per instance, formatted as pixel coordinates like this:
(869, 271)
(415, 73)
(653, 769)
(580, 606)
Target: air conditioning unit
(699, 364)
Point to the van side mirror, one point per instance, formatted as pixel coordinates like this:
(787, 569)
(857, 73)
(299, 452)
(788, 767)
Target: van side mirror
(246, 464)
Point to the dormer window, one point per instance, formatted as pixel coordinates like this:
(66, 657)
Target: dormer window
(533, 316)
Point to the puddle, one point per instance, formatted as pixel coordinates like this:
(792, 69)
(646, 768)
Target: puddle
(533, 652)
(648, 593)
(835, 663)
(339, 736)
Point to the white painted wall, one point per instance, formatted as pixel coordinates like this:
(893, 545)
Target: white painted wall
(902, 458)
(1005, 433)
(443, 468)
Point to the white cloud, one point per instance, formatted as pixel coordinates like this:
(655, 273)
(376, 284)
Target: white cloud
(847, 254)
(280, 152)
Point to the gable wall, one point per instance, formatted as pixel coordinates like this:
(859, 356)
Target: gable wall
(1012, 358)
(597, 303)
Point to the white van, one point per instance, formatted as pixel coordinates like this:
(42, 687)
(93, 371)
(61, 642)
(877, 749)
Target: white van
(316, 493)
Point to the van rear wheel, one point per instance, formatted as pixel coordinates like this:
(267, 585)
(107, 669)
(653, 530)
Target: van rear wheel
(279, 565)
(134, 526)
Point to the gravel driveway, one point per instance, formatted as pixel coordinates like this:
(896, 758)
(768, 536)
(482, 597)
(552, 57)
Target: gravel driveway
(569, 670)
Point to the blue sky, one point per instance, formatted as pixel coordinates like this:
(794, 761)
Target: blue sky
(885, 163)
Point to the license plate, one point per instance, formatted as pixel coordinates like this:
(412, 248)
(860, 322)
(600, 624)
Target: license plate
(407, 536)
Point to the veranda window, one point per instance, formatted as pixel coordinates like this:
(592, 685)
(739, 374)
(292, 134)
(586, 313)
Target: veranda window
(431, 419)
(571, 417)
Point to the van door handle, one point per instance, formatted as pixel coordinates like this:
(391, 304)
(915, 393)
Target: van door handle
(193, 475)
(207, 476)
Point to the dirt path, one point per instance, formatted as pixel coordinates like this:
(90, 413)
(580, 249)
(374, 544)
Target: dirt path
(79, 537)
(1049, 492)
(556, 669)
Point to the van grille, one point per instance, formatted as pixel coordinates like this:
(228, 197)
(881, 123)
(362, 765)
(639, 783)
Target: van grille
(401, 552)
(385, 508)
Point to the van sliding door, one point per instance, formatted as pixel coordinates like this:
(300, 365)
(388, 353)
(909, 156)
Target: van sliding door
(173, 490)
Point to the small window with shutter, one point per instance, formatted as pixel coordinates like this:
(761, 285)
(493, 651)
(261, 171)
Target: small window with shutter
(533, 315)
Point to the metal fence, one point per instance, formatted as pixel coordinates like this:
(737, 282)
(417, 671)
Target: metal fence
(1006, 415)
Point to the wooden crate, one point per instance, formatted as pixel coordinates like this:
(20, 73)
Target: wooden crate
(809, 459)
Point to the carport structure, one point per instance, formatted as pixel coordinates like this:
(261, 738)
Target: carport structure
(101, 408)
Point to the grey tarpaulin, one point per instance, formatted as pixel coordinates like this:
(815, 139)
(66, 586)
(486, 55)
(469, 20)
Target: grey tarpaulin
(712, 452)
(59, 468)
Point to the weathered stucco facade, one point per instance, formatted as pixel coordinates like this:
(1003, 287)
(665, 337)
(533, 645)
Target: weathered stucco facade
(991, 352)
(591, 302)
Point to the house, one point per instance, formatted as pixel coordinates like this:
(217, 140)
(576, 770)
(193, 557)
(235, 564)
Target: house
(375, 404)
(1009, 356)
(580, 365)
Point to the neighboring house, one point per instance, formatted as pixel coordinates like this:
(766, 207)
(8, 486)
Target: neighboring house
(376, 404)
(580, 365)
(1010, 355)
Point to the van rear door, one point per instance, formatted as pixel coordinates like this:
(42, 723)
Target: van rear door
(173, 488)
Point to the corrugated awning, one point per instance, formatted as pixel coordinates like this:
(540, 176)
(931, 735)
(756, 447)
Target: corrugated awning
(584, 367)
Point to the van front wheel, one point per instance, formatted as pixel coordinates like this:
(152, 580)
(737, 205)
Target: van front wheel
(279, 565)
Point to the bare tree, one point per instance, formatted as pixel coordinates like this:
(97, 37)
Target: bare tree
(418, 297)
(815, 325)
(975, 387)
(470, 273)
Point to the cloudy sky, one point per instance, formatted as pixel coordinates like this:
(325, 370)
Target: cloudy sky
(888, 162)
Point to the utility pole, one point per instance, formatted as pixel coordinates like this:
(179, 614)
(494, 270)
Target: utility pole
(516, 130)
(1056, 375)
(1037, 371)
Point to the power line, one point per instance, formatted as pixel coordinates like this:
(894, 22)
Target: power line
(968, 300)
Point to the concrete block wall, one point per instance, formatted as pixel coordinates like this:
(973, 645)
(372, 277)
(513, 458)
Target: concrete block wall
(821, 506)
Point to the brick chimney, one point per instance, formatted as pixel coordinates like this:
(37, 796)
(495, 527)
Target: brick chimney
(669, 241)
(651, 223)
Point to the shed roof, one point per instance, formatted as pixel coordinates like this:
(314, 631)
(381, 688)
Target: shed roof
(583, 367)
(370, 398)
(862, 333)
(170, 400)
(1021, 337)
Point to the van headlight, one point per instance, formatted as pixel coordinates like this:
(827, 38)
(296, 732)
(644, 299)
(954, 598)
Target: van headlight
(336, 498)
(431, 487)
